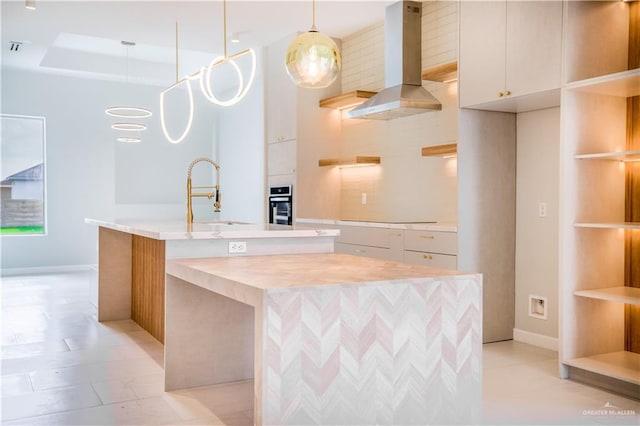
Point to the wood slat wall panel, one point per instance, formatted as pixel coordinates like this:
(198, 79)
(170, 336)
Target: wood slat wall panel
(147, 285)
(632, 205)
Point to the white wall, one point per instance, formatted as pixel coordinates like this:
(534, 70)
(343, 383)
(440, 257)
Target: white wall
(538, 144)
(241, 155)
(89, 174)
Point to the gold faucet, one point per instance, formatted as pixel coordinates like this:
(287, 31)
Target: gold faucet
(213, 194)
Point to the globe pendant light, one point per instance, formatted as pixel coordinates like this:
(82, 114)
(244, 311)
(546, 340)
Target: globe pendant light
(313, 59)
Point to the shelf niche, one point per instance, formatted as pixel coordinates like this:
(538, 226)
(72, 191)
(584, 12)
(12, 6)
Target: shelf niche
(346, 100)
(357, 160)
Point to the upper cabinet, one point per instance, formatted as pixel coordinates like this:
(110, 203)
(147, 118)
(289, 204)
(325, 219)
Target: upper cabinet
(281, 95)
(510, 55)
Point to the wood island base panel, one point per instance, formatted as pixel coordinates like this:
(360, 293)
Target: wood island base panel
(329, 338)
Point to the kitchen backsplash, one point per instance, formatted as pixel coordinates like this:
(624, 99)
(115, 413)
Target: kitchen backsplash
(406, 186)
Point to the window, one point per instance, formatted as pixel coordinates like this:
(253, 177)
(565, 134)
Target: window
(22, 174)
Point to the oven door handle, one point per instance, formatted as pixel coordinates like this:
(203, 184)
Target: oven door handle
(278, 199)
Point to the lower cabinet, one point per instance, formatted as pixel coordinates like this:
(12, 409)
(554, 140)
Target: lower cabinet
(435, 260)
(370, 241)
(361, 250)
(431, 248)
(437, 249)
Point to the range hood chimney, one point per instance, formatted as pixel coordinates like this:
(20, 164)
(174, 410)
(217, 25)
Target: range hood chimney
(404, 94)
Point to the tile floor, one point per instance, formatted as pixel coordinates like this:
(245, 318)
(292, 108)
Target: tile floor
(61, 367)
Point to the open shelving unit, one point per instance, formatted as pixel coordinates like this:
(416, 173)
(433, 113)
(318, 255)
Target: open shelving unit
(621, 294)
(623, 156)
(600, 225)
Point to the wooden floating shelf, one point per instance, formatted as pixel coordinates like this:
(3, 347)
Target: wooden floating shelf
(442, 73)
(611, 156)
(346, 100)
(440, 150)
(622, 365)
(629, 295)
(609, 225)
(358, 160)
(624, 84)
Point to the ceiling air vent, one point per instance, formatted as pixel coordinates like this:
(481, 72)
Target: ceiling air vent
(15, 45)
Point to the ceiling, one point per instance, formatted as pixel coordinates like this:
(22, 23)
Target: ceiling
(83, 38)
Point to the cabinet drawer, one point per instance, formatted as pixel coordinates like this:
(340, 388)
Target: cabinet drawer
(366, 236)
(366, 251)
(431, 241)
(434, 260)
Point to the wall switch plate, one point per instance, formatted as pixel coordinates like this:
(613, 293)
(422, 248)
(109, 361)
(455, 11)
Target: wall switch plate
(542, 209)
(364, 198)
(237, 247)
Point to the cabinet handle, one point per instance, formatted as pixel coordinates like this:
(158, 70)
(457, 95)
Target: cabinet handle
(397, 235)
(500, 94)
(507, 93)
(427, 256)
(428, 237)
(359, 251)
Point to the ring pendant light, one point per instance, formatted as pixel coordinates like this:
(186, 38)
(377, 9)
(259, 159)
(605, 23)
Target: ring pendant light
(129, 127)
(185, 81)
(313, 59)
(205, 73)
(128, 111)
(128, 139)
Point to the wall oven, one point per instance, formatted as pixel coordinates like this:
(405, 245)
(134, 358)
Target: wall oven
(280, 205)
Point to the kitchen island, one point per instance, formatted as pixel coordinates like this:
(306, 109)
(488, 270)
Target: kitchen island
(329, 338)
(132, 256)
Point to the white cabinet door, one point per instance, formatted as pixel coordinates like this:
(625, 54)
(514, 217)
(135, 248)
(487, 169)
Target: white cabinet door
(509, 49)
(534, 48)
(365, 251)
(482, 51)
(434, 260)
(281, 158)
(281, 95)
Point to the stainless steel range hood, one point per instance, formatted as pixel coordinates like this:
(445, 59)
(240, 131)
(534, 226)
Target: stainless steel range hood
(404, 94)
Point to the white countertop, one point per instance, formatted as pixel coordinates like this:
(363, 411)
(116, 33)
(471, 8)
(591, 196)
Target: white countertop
(202, 230)
(420, 226)
(250, 273)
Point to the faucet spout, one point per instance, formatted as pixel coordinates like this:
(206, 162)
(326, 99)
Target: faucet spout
(214, 192)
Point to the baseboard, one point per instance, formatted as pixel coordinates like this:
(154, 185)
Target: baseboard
(535, 339)
(38, 270)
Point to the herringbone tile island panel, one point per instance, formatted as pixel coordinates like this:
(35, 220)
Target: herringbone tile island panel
(406, 352)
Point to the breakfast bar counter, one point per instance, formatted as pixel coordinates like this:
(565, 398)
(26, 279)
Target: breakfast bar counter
(132, 256)
(329, 338)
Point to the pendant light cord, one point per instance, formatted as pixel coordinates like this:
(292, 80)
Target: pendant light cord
(313, 25)
(224, 18)
(176, 52)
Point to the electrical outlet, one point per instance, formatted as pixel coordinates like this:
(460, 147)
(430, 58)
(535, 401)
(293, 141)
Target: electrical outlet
(542, 209)
(237, 247)
(364, 198)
